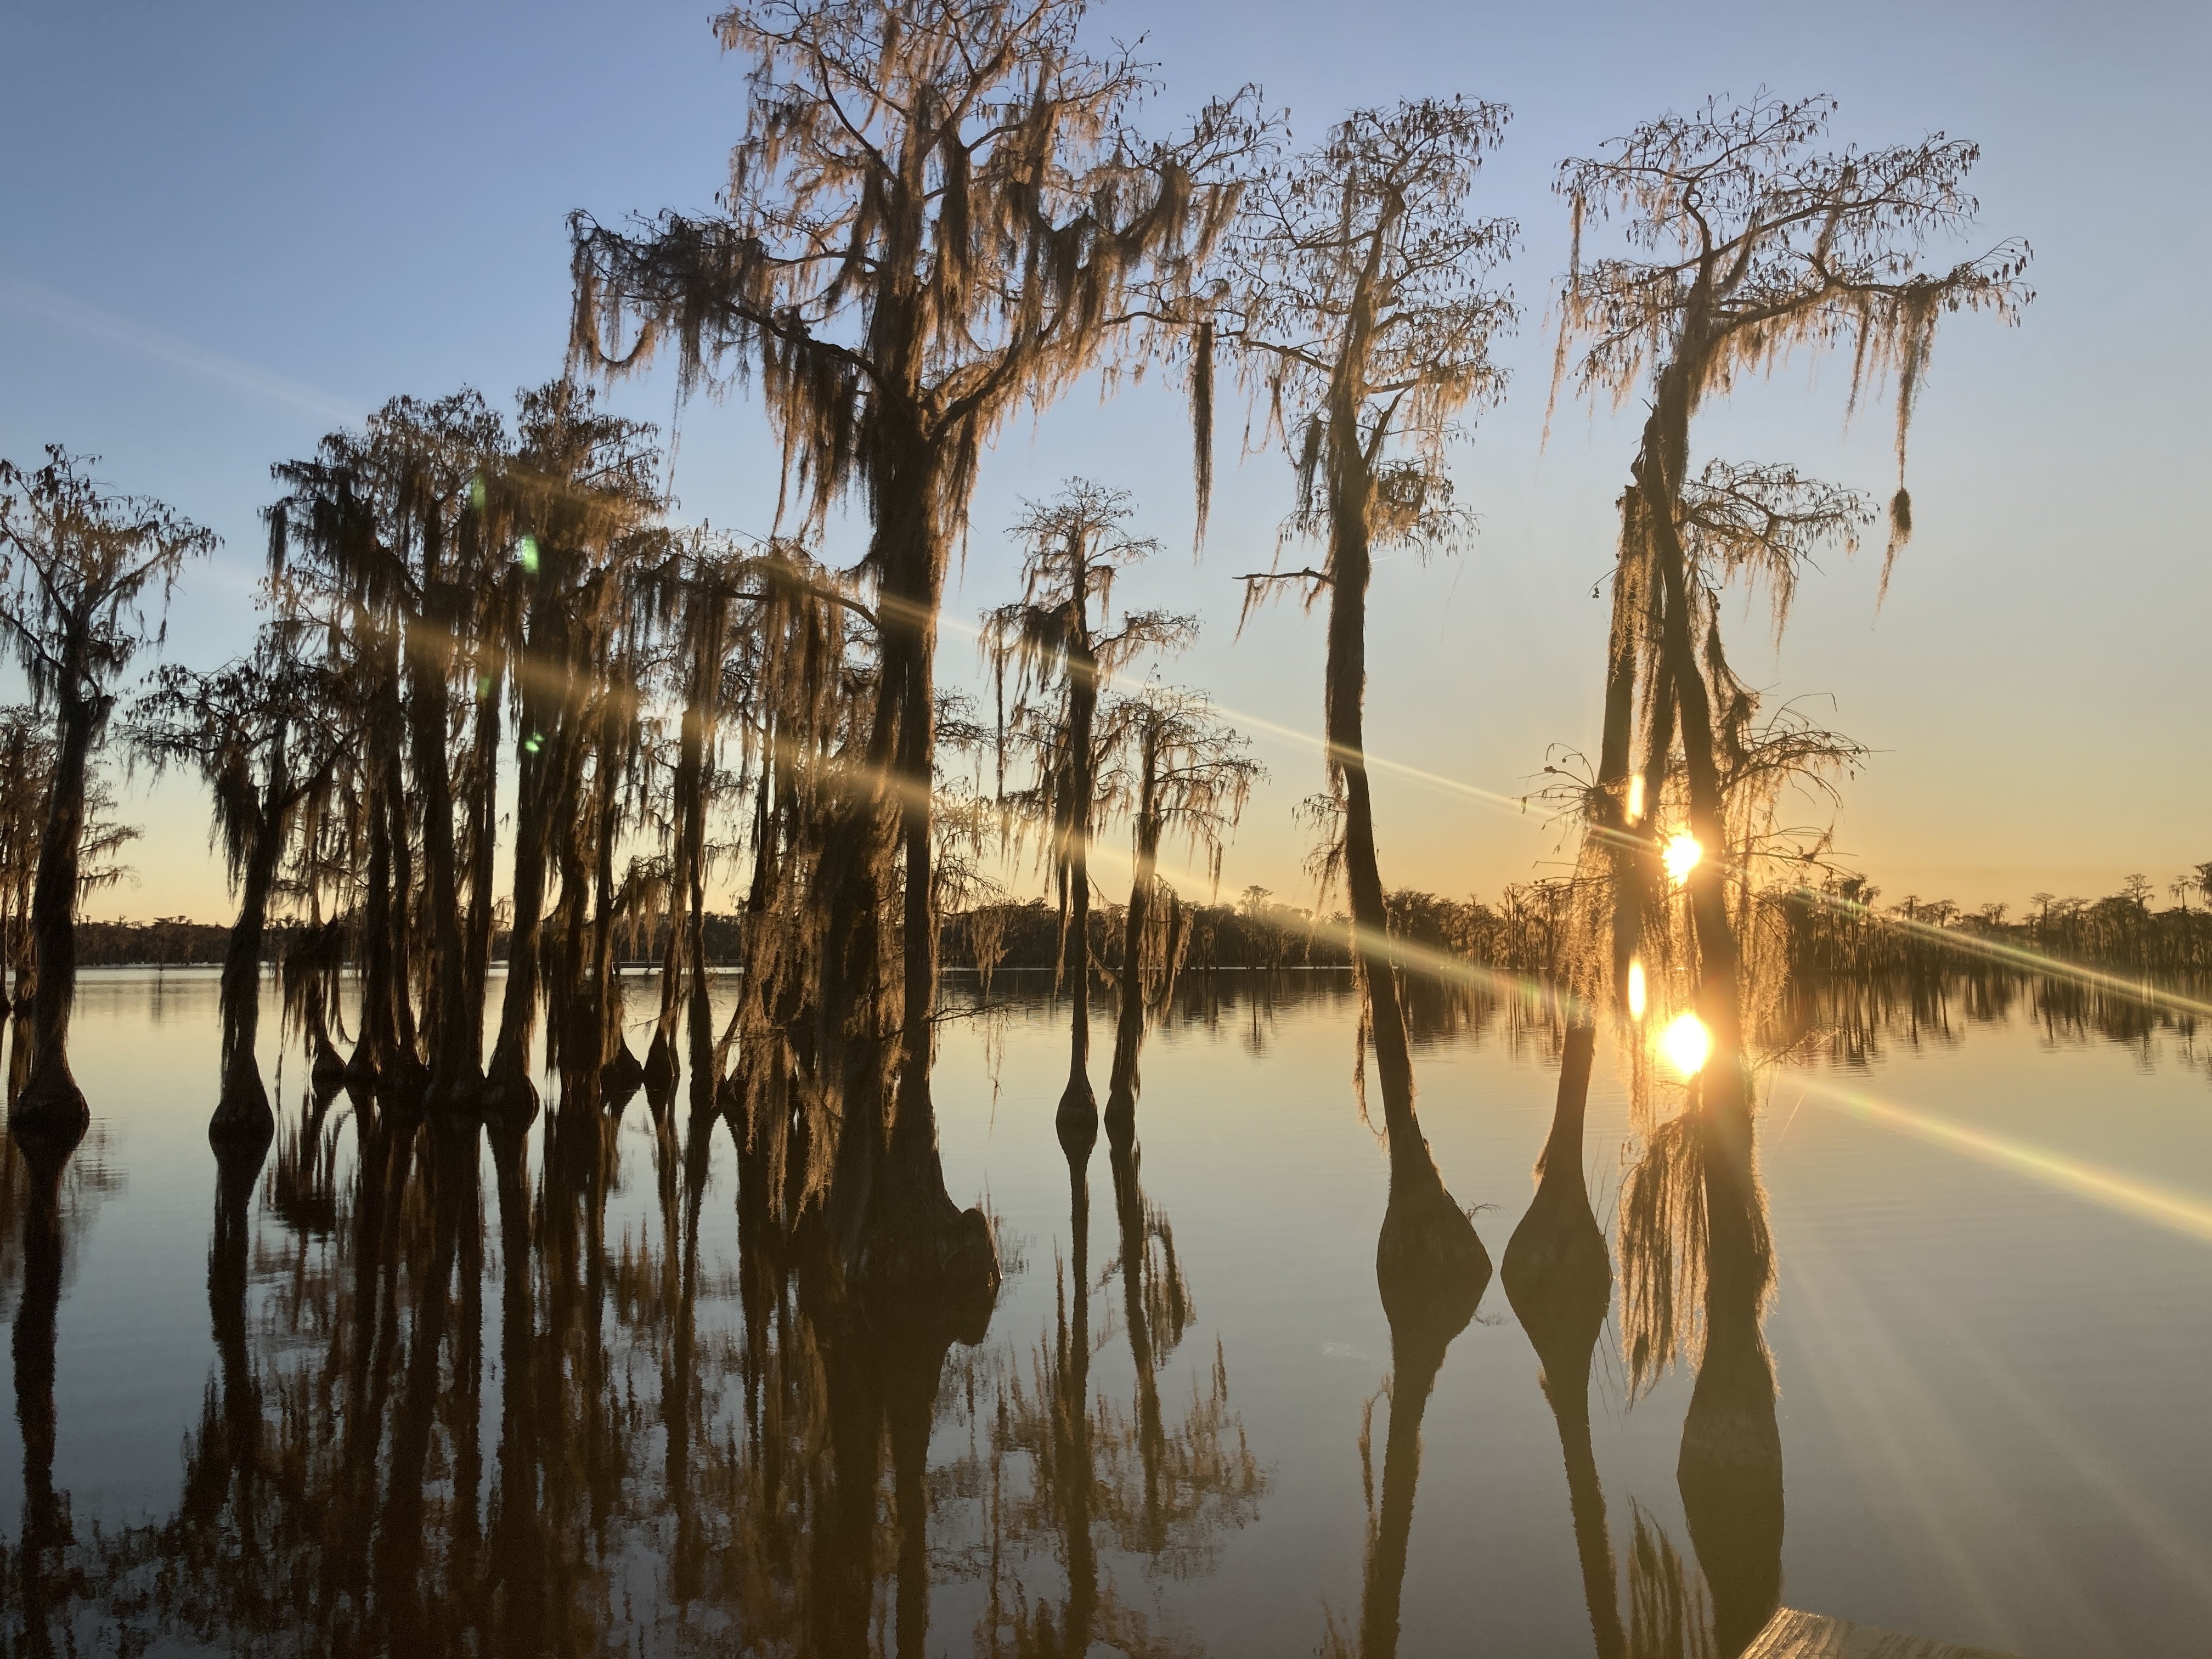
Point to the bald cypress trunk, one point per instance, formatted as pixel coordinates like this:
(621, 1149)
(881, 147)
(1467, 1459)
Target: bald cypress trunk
(1079, 1107)
(482, 838)
(52, 1111)
(687, 878)
(1427, 1245)
(546, 739)
(1129, 1023)
(909, 1228)
(242, 1113)
(456, 1048)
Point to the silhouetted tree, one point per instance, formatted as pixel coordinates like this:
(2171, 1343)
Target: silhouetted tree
(1358, 309)
(905, 262)
(1747, 242)
(580, 497)
(267, 734)
(1184, 775)
(86, 578)
(1061, 640)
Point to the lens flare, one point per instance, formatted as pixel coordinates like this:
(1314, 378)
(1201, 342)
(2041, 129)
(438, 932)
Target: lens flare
(2178, 1212)
(1636, 991)
(1636, 797)
(1680, 857)
(1687, 1044)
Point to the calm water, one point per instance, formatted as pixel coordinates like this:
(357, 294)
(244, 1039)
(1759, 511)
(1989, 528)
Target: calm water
(580, 1420)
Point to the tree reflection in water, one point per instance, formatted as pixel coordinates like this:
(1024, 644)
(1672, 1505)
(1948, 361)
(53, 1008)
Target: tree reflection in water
(1697, 1263)
(1067, 1467)
(455, 1408)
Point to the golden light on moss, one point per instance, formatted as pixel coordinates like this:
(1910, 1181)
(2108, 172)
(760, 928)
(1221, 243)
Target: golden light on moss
(1680, 856)
(1637, 995)
(1686, 1044)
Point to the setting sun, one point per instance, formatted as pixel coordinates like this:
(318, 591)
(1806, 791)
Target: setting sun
(1680, 856)
(1686, 1044)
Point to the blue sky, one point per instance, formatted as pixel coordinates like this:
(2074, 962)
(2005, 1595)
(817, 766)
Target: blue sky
(230, 227)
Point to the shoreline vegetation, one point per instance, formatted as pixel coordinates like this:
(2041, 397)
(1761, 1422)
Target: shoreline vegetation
(1844, 927)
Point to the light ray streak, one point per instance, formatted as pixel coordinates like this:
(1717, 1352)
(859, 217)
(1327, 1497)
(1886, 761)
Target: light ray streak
(2175, 1212)
(2015, 956)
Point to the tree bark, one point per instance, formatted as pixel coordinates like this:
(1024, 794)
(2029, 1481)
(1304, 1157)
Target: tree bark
(1130, 1027)
(1427, 1245)
(547, 734)
(1077, 1118)
(242, 1116)
(456, 1050)
(484, 837)
(52, 1111)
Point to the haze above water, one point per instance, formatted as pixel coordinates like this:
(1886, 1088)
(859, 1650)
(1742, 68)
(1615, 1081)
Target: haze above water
(546, 1395)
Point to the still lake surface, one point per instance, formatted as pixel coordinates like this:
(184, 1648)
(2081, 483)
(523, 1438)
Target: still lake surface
(580, 1420)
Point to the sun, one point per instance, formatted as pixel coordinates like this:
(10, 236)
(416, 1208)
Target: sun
(1686, 1044)
(1680, 856)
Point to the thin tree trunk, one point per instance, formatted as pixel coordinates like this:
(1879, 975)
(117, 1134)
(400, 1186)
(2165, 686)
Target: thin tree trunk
(52, 1111)
(539, 763)
(598, 1029)
(484, 836)
(376, 1049)
(1427, 1243)
(687, 878)
(242, 1113)
(1078, 1116)
(456, 1050)
(1130, 1027)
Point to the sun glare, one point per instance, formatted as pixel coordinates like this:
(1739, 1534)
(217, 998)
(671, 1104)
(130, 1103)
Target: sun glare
(1636, 991)
(1686, 1044)
(1636, 797)
(1680, 857)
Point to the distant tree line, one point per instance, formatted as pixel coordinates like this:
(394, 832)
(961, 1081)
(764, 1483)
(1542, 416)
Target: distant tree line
(174, 942)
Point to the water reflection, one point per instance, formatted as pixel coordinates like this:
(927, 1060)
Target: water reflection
(458, 1404)
(1110, 1494)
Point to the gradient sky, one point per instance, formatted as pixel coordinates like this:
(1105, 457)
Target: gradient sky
(230, 227)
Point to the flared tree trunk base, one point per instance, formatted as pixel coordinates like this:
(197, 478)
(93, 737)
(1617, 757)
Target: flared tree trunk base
(456, 1093)
(328, 1074)
(660, 1070)
(1121, 1111)
(48, 1118)
(1429, 1262)
(924, 1254)
(507, 1098)
(242, 1124)
(1559, 1278)
(621, 1077)
(1076, 1119)
(1557, 1252)
(398, 1073)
